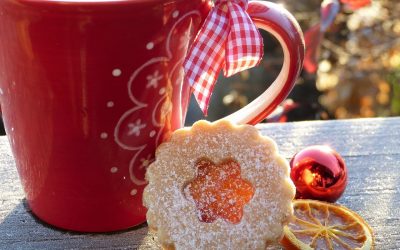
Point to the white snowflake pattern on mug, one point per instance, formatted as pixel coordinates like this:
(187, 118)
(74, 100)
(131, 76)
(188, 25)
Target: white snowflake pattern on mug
(158, 113)
(135, 128)
(153, 80)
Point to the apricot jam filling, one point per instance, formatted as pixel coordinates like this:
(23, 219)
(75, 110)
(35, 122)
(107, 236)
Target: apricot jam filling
(219, 191)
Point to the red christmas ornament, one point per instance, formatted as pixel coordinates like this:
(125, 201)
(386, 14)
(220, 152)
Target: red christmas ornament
(319, 173)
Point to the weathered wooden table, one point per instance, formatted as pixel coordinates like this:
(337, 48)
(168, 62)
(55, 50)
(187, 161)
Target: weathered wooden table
(370, 147)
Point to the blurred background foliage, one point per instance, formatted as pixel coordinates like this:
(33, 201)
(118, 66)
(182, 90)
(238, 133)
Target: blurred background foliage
(358, 68)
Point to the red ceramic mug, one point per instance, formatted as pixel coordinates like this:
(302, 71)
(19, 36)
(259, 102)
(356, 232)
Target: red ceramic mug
(89, 88)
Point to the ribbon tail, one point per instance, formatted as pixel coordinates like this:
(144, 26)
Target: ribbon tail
(206, 57)
(203, 94)
(240, 54)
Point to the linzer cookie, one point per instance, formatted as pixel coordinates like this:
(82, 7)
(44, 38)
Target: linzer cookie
(217, 185)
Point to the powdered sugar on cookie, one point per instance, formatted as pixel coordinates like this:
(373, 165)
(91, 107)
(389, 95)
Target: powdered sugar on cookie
(262, 181)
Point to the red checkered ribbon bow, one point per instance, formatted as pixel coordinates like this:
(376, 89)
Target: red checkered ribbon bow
(228, 39)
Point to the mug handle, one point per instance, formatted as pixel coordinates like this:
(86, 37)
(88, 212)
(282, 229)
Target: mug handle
(283, 26)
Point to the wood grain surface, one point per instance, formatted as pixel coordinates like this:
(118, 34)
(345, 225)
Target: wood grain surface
(370, 147)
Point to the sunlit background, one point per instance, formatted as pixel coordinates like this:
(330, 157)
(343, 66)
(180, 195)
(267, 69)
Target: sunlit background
(358, 68)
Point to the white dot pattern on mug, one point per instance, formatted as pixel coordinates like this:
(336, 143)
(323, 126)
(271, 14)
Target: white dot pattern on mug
(175, 14)
(116, 72)
(150, 46)
(114, 170)
(110, 104)
(152, 133)
(103, 135)
(161, 91)
(133, 192)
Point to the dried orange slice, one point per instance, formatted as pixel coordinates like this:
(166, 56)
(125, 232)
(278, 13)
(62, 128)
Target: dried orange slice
(322, 225)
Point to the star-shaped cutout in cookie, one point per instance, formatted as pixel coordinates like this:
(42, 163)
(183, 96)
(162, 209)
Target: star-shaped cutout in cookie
(219, 191)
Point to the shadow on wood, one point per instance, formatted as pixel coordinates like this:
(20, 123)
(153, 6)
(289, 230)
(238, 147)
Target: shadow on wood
(20, 229)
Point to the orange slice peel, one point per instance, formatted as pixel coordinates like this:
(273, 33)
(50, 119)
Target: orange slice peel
(322, 225)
